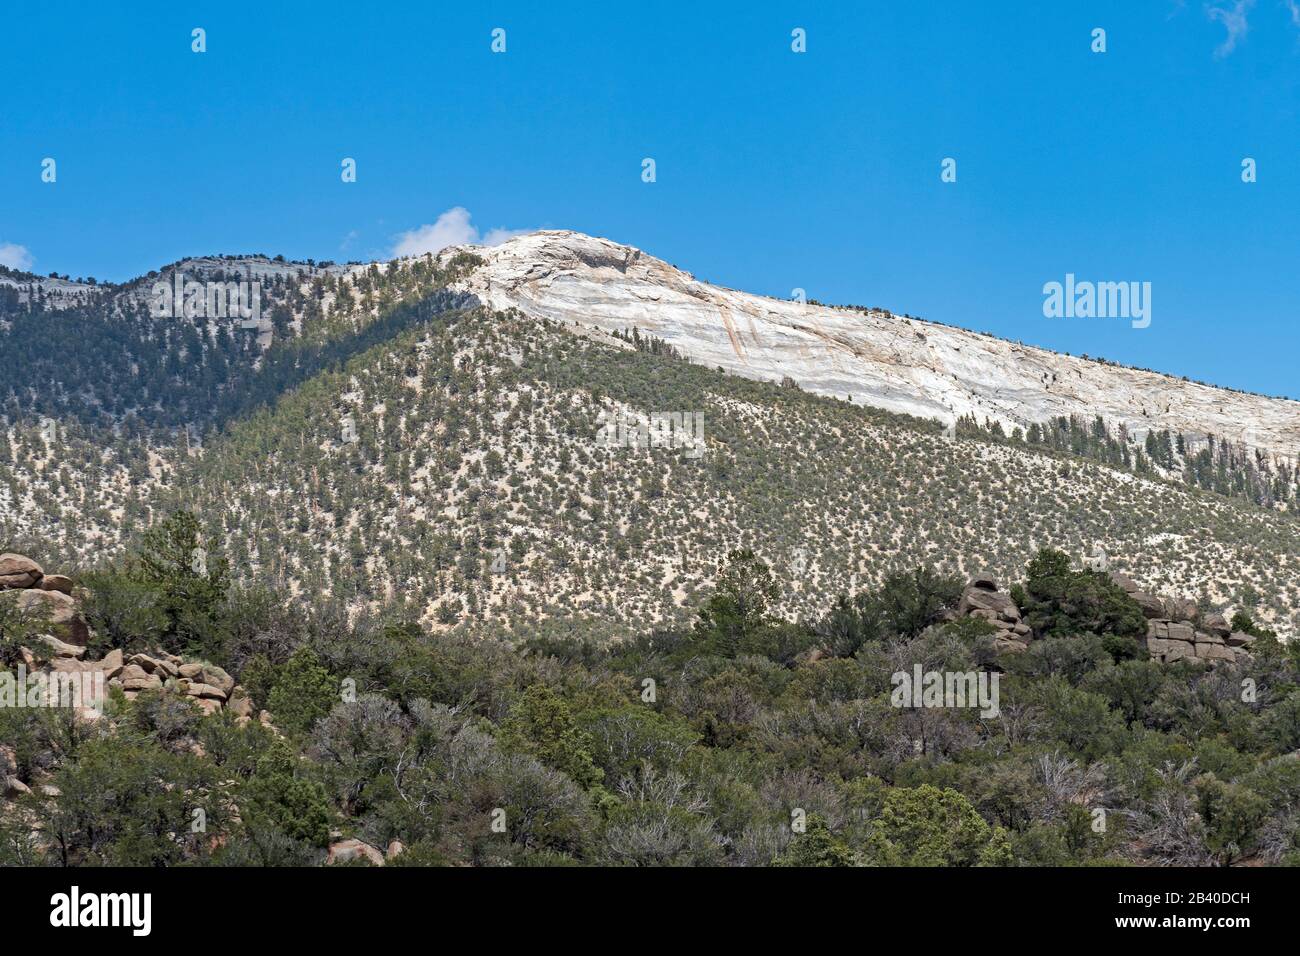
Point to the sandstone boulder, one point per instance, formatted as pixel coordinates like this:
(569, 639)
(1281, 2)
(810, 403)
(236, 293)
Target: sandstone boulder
(1167, 651)
(112, 664)
(1215, 652)
(205, 691)
(1152, 606)
(984, 582)
(1239, 639)
(135, 679)
(17, 571)
(61, 612)
(1128, 585)
(977, 599)
(1216, 624)
(346, 851)
(216, 677)
(56, 582)
(240, 703)
(60, 649)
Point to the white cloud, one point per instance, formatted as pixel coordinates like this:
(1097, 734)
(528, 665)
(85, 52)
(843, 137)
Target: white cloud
(1294, 7)
(1234, 21)
(15, 256)
(452, 228)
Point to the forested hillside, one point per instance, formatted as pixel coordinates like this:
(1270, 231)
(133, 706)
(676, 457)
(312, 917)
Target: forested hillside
(738, 738)
(394, 443)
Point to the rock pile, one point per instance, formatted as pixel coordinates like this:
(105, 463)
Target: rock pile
(982, 599)
(47, 595)
(52, 597)
(1175, 629)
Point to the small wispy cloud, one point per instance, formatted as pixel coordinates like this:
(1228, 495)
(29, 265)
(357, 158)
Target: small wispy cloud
(1294, 7)
(15, 256)
(1234, 20)
(452, 228)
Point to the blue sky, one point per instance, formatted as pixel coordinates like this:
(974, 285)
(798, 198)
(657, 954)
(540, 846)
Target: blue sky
(775, 170)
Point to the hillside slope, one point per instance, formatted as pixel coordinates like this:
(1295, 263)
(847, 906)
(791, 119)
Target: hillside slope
(395, 440)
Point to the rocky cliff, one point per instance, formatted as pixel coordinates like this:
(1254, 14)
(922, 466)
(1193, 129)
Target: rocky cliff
(900, 364)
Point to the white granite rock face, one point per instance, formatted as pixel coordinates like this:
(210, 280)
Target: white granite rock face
(904, 365)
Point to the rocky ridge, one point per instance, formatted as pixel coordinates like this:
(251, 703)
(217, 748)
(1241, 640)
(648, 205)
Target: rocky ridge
(888, 361)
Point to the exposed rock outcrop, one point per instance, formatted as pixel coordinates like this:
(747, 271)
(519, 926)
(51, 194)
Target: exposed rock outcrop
(346, 851)
(982, 599)
(63, 650)
(17, 571)
(1175, 629)
(889, 361)
(48, 597)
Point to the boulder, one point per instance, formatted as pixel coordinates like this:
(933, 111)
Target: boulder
(1181, 632)
(1208, 637)
(205, 690)
(17, 571)
(167, 670)
(112, 663)
(208, 706)
(59, 649)
(1180, 609)
(1215, 652)
(71, 665)
(61, 612)
(1009, 645)
(984, 582)
(346, 851)
(56, 582)
(1124, 581)
(395, 848)
(135, 679)
(191, 671)
(216, 677)
(977, 599)
(240, 703)
(1239, 639)
(14, 788)
(1215, 624)
(1152, 606)
(1169, 651)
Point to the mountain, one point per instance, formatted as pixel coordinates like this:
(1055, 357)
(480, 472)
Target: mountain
(433, 433)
